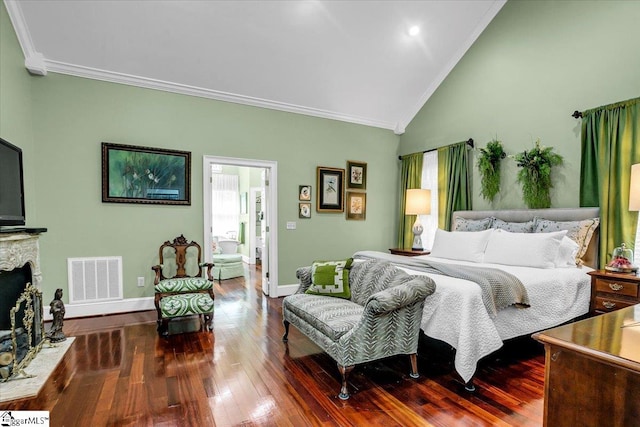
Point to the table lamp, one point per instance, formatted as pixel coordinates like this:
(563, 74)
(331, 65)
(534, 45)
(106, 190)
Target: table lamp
(634, 205)
(418, 202)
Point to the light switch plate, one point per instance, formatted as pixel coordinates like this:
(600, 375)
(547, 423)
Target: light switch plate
(291, 225)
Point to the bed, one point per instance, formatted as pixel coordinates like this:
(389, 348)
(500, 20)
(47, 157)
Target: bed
(457, 313)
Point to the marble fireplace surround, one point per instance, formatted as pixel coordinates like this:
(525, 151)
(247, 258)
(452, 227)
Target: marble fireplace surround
(18, 249)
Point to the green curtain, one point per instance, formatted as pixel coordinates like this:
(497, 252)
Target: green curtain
(454, 187)
(610, 145)
(410, 177)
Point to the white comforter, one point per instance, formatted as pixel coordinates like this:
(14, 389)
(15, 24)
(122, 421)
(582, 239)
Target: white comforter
(456, 314)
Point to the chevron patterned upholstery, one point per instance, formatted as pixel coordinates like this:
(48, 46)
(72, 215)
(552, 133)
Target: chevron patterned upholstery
(381, 319)
(187, 293)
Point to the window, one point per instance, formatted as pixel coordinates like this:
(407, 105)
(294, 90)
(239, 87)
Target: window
(430, 182)
(225, 205)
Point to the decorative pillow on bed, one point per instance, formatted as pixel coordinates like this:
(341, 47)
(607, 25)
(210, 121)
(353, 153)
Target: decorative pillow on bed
(578, 231)
(330, 278)
(524, 249)
(567, 253)
(459, 245)
(463, 224)
(513, 227)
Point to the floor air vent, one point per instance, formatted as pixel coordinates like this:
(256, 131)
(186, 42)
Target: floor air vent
(94, 279)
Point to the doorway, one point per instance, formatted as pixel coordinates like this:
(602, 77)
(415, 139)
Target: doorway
(266, 194)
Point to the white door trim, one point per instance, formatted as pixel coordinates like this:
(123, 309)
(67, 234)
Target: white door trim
(271, 214)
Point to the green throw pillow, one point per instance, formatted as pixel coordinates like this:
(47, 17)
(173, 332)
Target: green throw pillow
(330, 278)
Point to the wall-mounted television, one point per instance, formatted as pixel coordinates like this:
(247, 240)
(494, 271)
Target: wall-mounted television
(11, 185)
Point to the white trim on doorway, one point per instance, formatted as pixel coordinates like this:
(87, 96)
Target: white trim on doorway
(271, 215)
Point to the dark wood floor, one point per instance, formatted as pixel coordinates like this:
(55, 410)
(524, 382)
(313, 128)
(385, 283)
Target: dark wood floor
(119, 372)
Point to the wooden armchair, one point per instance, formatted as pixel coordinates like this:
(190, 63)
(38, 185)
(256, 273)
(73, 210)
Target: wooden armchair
(178, 294)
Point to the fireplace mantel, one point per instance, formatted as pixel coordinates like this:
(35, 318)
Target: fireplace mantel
(18, 249)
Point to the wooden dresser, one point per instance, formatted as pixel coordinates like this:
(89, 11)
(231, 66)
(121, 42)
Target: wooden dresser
(612, 291)
(592, 371)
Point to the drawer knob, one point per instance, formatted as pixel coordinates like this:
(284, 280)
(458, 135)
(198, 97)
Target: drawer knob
(608, 304)
(615, 286)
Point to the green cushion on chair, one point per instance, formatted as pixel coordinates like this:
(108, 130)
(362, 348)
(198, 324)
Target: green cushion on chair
(186, 304)
(226, 258)
(184, 284)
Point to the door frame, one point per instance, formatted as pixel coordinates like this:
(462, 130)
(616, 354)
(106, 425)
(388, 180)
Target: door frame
(271, 213)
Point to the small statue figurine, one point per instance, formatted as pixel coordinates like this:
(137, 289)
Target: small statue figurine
(55, 334)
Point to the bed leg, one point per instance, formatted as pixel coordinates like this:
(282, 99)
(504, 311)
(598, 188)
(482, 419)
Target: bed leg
(470, 386)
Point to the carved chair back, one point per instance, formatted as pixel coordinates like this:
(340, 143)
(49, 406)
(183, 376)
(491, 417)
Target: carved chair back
(180, 245)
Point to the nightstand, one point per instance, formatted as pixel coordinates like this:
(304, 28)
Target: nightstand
(408, 252)
(612, 291)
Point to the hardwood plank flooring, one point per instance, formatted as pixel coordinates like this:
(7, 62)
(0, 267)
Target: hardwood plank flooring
(118, 372)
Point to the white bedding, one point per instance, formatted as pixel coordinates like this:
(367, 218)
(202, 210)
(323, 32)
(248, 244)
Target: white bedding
(456, 314)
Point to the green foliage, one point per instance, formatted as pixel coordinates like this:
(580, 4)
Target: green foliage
(489, 168)
(535, 175)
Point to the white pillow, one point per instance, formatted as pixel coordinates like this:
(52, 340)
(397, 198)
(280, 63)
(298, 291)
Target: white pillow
(567, 253)
(460, 245)
(524, 249)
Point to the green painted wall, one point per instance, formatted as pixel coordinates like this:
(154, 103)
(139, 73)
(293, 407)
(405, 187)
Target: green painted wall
(74, 115)
(61, 120)
(535, 64)
(15, 104)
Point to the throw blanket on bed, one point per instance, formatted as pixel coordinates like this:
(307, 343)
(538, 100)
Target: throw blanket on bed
(499, 288)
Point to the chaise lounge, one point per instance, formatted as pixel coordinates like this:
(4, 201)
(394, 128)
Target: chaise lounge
(380, 319)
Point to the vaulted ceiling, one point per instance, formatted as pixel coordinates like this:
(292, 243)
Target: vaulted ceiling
(346, 60)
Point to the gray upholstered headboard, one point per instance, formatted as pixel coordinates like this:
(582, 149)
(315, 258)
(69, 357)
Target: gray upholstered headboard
(554, 214)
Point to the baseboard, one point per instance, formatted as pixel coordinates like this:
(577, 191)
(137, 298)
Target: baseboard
(131, 304)
(106, 307)
(285, 290)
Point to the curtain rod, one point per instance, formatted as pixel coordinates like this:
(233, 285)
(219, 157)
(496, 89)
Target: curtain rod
(468, 141)
(577, 114)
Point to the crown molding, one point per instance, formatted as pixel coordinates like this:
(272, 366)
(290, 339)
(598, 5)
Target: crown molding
(20, 26)
(148, 83)
(482, 25)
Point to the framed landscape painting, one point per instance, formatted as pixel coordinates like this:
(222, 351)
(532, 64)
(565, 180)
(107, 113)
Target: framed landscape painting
(330, 189)
(132, 174)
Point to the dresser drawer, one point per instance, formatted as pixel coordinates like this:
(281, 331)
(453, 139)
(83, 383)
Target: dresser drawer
(618, 287)
(605, 304)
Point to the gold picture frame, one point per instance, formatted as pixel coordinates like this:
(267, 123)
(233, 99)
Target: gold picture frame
(330, 189)
(356, 175)
(356, 205)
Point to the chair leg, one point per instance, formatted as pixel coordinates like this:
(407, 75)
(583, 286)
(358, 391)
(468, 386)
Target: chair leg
(344, 371)
(208, 321)
(163, 328)
(285, 337)
(414, 365)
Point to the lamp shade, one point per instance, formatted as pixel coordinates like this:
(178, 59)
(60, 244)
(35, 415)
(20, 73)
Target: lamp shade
(418, 202)
(634, 188)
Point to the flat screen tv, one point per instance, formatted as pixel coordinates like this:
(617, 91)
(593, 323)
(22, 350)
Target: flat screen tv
(11, 185)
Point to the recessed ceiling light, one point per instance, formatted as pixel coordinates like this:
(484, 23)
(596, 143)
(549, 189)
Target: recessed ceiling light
(414, 31)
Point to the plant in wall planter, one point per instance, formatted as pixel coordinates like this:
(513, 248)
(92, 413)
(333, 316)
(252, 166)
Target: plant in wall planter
(535, 174)
(489, 168)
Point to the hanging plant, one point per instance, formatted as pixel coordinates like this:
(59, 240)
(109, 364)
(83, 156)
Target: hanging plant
(535, 175)
(489, 168)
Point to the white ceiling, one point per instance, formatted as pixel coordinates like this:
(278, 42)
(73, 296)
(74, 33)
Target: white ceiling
(346, 60)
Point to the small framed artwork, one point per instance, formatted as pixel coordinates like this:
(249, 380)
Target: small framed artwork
(356, 205)
(357, 172)
(132, 174)
(304, 210)
(330, 189)
(304, 192)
